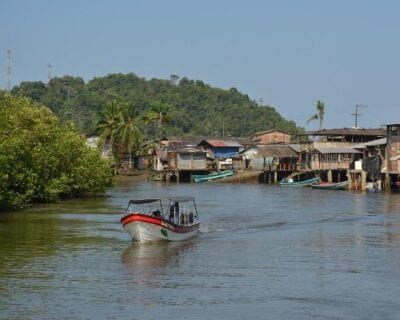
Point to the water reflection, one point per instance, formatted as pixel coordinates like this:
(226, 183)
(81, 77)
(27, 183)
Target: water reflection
(151, 257)
(391, 203)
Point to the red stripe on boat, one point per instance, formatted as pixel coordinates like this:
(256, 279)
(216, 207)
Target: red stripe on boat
(137, 217)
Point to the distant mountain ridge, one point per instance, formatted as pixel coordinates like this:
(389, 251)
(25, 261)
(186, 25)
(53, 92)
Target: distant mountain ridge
(196, 108)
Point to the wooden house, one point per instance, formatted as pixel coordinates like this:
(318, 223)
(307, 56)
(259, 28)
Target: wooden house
(278, 157)
(393, 156)
(190, 159)
(350, 136)
(333, 158)
(276, 162)
(274, 136)
(368, 169)
(223, 153)
(179, 164)
(332, 152)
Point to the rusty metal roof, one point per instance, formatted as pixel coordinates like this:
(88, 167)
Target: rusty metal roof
(222, 143)
(280, 151)
(270, 131)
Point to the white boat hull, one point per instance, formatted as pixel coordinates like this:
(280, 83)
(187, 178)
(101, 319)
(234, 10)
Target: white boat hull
(144, 229)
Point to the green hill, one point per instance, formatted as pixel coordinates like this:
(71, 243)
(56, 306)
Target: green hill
(195, 107)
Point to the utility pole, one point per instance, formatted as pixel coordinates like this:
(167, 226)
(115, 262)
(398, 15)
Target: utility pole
(356, 113)
(8, 70)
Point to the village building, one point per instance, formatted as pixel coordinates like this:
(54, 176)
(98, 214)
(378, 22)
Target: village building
(392, 172)
(274, 161)
(223, 153)
(176, 159)
(274, 136)
(179, 158)
(331, 153)
(368, 170)
(349, 136)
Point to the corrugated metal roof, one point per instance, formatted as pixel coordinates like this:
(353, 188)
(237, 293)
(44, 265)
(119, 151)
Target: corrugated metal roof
(270, 131)
(185, 149)
(295, 147)
(281, 151)
(222, 143)
(195, 140)
(337, 150)
(373, 143)
(346, 132)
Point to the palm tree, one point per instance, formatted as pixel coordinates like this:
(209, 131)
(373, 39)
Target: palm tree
(109, 121)
(319, 115)
(128, 133)
(160, 113)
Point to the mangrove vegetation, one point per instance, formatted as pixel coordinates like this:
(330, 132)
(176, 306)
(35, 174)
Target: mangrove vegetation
(43, 160)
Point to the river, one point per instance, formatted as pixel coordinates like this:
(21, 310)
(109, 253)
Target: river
(263, 252)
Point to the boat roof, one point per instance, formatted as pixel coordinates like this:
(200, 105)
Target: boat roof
(140, 201)
(173, 199)
(182, 199)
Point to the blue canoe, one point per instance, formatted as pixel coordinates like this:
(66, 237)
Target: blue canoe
(212, 176)
(301, 183)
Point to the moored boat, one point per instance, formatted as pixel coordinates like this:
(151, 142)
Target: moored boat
(146, 220)
(331, 185)
(290, 182)
(212, 176)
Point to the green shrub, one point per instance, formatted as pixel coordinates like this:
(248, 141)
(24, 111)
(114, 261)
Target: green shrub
(41, 160)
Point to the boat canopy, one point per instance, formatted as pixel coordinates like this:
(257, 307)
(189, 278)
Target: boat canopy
(182, 199)
(141, 201)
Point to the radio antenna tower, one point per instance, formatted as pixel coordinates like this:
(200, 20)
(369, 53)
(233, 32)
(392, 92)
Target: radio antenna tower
(49, 66)
(8, 70)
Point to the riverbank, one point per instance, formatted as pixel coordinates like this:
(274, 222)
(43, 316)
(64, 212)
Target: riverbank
(241, 177)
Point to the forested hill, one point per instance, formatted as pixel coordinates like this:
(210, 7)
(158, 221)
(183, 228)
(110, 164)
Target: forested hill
(195, 108)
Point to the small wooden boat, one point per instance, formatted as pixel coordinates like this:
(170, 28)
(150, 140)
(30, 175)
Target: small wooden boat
(331, 186)
(146, 220)
(289, 182)
(212, 176)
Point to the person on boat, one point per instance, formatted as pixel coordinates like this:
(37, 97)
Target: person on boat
(191, 217)
(171, 213)
(174, 211)
(184, 218)
(157, 213)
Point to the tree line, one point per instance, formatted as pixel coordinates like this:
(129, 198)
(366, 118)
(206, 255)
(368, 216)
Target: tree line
(192, 107)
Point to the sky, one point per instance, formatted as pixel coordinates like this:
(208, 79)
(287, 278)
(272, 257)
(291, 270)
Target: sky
(287, 54)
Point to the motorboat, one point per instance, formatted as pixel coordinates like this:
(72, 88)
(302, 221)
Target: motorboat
(343, 185)
(173, 219)
(212, 176)
(290, 182)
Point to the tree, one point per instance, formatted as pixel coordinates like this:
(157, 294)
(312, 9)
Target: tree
(160, 113)
(110, 119)
(319, 115)
(128, 133)
(42, 160)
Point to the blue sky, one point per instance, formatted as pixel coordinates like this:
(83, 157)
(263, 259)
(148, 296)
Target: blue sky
(287, 53)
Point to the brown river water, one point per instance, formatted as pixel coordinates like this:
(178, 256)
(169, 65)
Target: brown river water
(263, 252)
